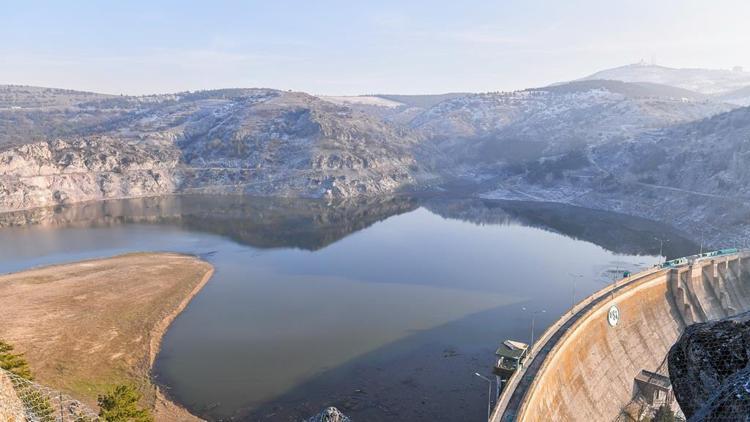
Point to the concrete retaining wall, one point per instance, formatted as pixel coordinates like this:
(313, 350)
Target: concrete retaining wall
(589, 372)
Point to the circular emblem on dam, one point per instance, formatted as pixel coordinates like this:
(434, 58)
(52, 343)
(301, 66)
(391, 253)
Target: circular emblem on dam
(613, 316)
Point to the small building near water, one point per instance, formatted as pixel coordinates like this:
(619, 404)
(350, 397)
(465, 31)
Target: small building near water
(510, 357)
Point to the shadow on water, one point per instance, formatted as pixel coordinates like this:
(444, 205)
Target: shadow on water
(427, 376)
(615, 232)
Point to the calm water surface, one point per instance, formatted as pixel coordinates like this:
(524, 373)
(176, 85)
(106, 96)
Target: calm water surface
(384, 309)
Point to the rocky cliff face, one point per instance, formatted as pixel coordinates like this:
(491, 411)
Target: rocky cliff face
(63, 171)
(708, 367)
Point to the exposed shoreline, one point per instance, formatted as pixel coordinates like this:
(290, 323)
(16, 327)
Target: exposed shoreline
(163, 403)
(81, 324)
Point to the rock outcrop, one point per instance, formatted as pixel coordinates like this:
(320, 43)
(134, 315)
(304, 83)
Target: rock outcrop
(708, 367)
(330, 414)
(58, 172)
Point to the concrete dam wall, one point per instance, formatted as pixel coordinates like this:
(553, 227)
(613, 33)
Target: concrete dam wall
(584, 368)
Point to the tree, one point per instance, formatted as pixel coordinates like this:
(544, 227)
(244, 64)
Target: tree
(121, 405)
(664, 414)
(14, 363)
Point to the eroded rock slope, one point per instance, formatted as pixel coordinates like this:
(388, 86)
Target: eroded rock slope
(59, 147)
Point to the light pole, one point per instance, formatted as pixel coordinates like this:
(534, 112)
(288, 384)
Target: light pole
(489, 394)
(575, 278)
(614, 274)
(661, 246)
(533, 318)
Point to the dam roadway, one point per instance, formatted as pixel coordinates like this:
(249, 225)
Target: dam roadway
(583, 368)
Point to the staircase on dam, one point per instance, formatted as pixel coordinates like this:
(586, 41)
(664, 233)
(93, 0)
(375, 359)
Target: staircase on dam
(585, 368)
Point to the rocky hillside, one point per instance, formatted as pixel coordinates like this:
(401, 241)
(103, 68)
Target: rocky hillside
(613, 145)
(294, 143)
(16, 97)
(525, 125)
(684, 175)
(739, 97)
(60, 146)
(708, 156)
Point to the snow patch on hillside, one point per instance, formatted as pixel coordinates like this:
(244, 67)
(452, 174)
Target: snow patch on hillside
(362, 100)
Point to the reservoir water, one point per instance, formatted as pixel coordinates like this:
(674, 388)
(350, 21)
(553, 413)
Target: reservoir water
(383, 308)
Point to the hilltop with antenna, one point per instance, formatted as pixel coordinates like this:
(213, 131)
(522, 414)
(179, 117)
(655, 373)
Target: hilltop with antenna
(705, 81)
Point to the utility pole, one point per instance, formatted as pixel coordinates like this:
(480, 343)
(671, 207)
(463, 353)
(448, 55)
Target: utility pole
(614, 274)
(661, 245)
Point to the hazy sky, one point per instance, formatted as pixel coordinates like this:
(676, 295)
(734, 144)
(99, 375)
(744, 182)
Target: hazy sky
(354, 47)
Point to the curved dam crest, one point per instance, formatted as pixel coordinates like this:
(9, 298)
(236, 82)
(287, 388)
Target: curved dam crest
(584, 369)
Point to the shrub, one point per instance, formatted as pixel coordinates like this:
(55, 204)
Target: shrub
(121, 405)
(14, 362)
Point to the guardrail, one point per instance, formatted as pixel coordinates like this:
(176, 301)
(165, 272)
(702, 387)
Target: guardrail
(688, 259)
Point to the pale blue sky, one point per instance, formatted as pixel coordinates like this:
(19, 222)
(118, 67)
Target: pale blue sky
(356, 47)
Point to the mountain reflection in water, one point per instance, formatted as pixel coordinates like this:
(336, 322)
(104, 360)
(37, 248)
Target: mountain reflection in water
(312, 224)
(382, 307)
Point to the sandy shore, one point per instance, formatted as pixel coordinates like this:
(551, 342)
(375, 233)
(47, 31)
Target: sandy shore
(88, 325)
(165, 409)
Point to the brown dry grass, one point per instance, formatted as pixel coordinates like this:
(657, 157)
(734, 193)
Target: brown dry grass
(87, 326)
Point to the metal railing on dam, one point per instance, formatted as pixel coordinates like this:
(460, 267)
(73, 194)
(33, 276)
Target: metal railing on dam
(583, 367)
